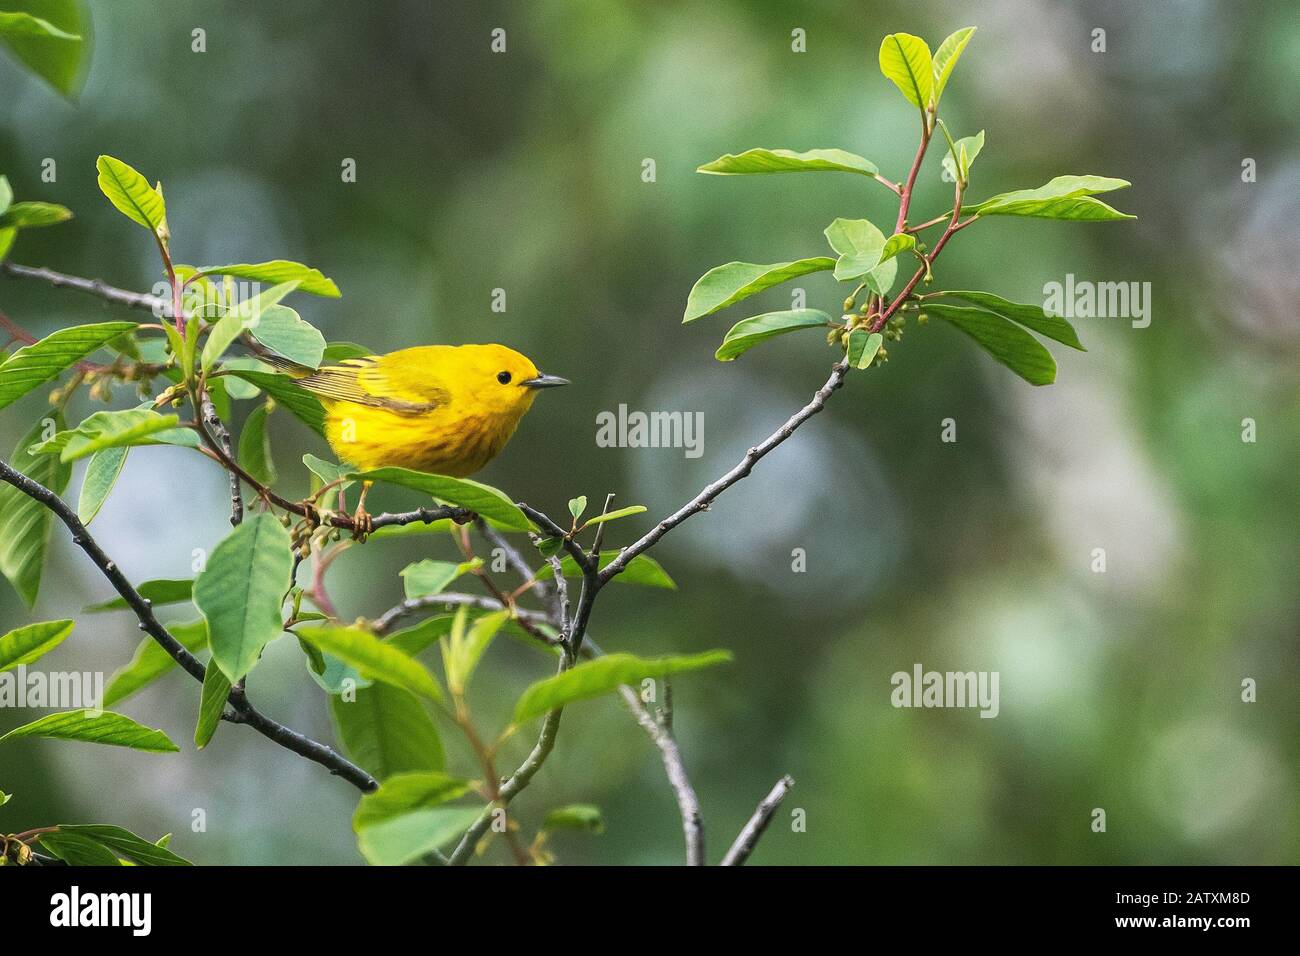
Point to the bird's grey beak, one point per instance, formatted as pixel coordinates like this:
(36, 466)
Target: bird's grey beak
(544, 381)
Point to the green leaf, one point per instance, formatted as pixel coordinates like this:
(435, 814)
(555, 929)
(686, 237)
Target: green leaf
(5, 797)
(387, 731)
(905, 59)
(404, 839)
(483, 500)
(76, 850)
(26, 644)
(327, 471)
(432, 577)
(945, 58)
(642, 569)
(255, 446)
(863, 346)
(125, 428)
(96, 727)
(746, 334)
(32, 215)
(212, 701)
(615, 515)
(157, 592)
(53, 46)
(125, 843)
(151, 661)
(464, 649)
(576, 816)
(788, 161)
(7, 236)
(285, 333)
(1065, 197)
(132, 195)
(1004, 340)
(26, 522)
(301, 403)
(577, 506)
(373, 658)
(331, 674)
(967, 148)
(404, 792)
(415, 639)
(727, 284)
(863, 247)
(336, 352)
(6, 194)
(101, 475)
(35, 364)
(1030, 316)
(241, 590)
(602, 675)
(309, 280)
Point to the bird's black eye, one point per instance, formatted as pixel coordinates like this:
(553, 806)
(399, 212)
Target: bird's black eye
(503, 378)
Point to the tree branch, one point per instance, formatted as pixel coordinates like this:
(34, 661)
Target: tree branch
(95, 287)
(688, 804)
(749, 834)
(242, 709)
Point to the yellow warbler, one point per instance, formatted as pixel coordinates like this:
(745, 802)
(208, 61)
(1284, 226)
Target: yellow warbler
(436, 408)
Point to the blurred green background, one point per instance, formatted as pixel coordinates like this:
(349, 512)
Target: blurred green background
(522, 171)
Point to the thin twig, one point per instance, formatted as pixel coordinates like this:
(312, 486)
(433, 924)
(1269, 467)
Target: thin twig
(688, 804)
(95, 287)
(222, 435)
(749, 834)
(242, 710)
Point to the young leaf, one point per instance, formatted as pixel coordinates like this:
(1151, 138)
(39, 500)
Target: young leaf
(642, 569)
(373, 658)
(432, 577)
(595, 677)
(1030, 316)
(859, 244)
(464, 649)
(401, 840)
(746, 334)
(101, 475)
(1055, 199)
(1004, 340)
(863, 346)
(35, 364)
(945, 58)
(27, 522)
(309, 280)
(327, 471)
(31, 215)
(151, 661)
(132, 195)
(577, 506)
(26, 644)
(788, 161)
(727, 284)
(125, 428)
(387, 731)
(905, 59)
(415, 639)
(126, 844)
(404, 792)
(614, 515)
(576, 816)
(157, 592)
(284, 332)
(255, 446)
(97, 727)
(241, 590)
(6, 194)
(482, 499)
(212, 701)
(967, 148)
(48, 41)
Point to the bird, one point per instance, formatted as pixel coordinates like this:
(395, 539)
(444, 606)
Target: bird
(443, 409)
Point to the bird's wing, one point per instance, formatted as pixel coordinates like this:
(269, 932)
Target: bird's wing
(363, 381)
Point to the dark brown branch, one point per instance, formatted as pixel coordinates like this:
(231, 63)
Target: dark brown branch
(222, 435)
(242, 710)
(748, 838)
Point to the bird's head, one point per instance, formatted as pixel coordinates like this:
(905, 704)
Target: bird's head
(501, 380)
